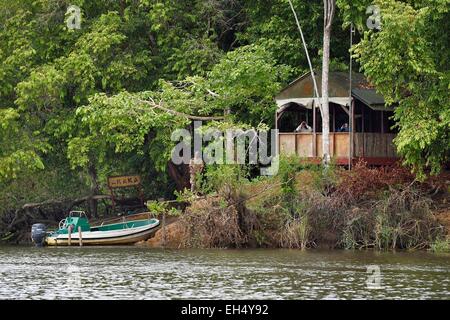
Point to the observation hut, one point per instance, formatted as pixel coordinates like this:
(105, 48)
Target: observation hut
(368, 135)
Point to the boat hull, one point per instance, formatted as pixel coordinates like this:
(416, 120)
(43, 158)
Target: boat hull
(105, 238)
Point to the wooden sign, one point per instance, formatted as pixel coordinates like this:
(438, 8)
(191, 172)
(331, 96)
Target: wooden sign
(124, 181)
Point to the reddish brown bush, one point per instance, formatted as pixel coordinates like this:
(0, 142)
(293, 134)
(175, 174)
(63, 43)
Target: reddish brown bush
(363, 182)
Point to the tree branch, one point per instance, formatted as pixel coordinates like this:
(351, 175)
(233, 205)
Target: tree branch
(177, 113)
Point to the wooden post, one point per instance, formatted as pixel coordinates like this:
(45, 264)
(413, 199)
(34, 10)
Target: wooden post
(333, 127)
(333, 151)
(295, 144)
(351, 106)
(352, 134)
(164, 230)
(163, 226)
(80, 238)
(69, 240)
(363, 132)
(276, 119)
(314, 131)
(277, 132)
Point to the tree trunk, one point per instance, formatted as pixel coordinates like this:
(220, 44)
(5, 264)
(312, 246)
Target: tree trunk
(329, 6)
(179, 174)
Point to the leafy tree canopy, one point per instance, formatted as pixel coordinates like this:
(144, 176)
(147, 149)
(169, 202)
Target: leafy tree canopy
(105, 98)
(408, 62)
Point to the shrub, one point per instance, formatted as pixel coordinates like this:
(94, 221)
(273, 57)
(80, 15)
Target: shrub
(362, 183)
(400, 219)
(224, 178)
(440, 245)
(304, 206)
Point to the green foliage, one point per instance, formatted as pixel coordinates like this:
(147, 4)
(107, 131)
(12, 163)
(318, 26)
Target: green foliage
(440, 246)
(122, 122)
(225, 178)
(76, 90)
(252, 79)
(289, 166)
(324, 178)
(56, 182)
(73, 99)
(407, 61)
(195, 57)
(272, 25)
(19, 151)
(185, 195)
(354, 11)
(157, 207)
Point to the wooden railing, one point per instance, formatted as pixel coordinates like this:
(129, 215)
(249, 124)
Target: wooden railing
(374, 145)
(365, 145)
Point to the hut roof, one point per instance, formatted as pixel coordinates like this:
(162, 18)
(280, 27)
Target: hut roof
(301, 90)
(369, 97)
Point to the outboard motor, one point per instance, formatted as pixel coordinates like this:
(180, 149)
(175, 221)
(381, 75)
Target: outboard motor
(38, 232)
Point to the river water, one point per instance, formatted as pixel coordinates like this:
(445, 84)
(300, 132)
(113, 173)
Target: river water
(142, 273)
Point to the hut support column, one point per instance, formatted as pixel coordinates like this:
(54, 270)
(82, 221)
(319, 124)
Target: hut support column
(333, 127)
(351, 106)
(276, 129)
(351, 132)
(314, 146)
(363, 131)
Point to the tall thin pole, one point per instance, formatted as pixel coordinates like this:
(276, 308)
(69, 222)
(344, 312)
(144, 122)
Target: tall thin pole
(313, 76)
(307, 54)
(350, 104)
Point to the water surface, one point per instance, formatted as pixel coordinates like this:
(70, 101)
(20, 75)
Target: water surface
(142, 273)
